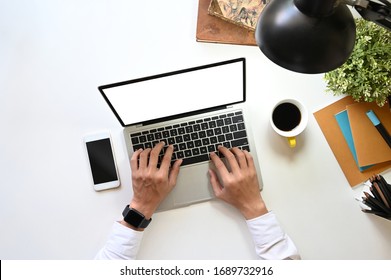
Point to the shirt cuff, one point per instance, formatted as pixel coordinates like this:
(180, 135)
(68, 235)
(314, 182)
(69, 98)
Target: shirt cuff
(264, 228)
(123, 243)
(271, 242)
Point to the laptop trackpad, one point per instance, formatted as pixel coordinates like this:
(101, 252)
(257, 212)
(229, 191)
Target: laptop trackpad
(193, 185)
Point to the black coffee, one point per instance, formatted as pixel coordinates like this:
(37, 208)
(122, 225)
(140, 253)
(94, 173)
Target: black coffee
(286, 116)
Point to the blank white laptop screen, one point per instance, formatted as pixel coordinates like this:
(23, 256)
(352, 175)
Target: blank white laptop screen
(177, 92)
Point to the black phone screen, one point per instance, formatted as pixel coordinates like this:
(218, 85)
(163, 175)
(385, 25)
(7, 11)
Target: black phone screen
(101, 161)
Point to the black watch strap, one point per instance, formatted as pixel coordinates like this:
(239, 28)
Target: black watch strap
(135, 218)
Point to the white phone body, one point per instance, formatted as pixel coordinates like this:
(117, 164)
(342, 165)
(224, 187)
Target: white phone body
(101, 158)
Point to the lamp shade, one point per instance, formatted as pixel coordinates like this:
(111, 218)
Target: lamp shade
(310, 36)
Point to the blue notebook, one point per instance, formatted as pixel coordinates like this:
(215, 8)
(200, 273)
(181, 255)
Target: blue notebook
(344, 124)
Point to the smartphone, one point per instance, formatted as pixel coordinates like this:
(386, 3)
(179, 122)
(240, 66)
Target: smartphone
(102, 161)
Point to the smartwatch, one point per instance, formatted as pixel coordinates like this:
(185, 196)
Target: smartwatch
(135, 218)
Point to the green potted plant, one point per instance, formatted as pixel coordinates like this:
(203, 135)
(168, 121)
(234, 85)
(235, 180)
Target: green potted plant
(366, 75)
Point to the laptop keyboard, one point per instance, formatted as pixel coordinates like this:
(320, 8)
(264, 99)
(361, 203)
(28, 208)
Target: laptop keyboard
(193, 141)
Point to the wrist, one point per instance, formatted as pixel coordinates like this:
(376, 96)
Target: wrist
(130, 226)
(252, 211)
(146, 210)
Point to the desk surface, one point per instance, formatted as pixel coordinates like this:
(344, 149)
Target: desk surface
(53, 56)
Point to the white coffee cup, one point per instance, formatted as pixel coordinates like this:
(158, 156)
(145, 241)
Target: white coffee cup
(289, 118)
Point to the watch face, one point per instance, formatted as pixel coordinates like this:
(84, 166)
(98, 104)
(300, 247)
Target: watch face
(134, 218)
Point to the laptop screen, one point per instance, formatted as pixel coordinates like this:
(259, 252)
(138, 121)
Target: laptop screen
(175, 93)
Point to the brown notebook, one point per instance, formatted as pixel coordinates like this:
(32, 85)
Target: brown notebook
(370, 146)
(332, 132)
(212, 29)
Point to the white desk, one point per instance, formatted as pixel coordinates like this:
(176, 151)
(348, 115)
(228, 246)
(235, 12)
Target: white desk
(54, 54)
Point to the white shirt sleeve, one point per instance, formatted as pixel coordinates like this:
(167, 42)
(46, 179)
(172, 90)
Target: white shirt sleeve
(271, 242)
(123, 244)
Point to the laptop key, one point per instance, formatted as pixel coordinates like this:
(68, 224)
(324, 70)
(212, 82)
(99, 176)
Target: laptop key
(189, 129)
(196, 127)
(240, 134)
(195, 159)
(135, 140)
(181, 130)
(241, 126)
(190, 145)
(221, 138)
(211, 148)
(138, 146)
(188, 153)
(220, 122)
(182, 146)
(142, 139)
(227, 145)
(196, 152)
(173, 132)
(154, 143)
(205, 141)
(166, 134)
(204, 126)
(247, 148)
(233, 128)
(179, 139)
(198, 143)
(237, 119)
(212, 124)
(239, 142)
(150, 137)
(180, 154)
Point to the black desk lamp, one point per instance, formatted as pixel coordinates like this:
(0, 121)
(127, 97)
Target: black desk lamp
(314, 36)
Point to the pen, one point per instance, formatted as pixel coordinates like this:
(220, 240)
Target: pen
(384, 187)
(379, 126)
(369, 200)
(382, 195)
(375, 193)
(380, 214)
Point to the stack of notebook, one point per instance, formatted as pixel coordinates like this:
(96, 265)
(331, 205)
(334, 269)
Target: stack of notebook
(365, 143)
(356, 143)
(228, 21)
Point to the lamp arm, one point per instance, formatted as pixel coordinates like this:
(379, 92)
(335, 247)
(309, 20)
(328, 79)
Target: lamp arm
(373, 11)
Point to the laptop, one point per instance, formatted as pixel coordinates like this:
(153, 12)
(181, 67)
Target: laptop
(196, 110)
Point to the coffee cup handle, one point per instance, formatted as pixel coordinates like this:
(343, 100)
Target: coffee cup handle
(292, 142)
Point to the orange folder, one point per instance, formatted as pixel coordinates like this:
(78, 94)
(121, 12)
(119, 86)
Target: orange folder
(332, 132)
